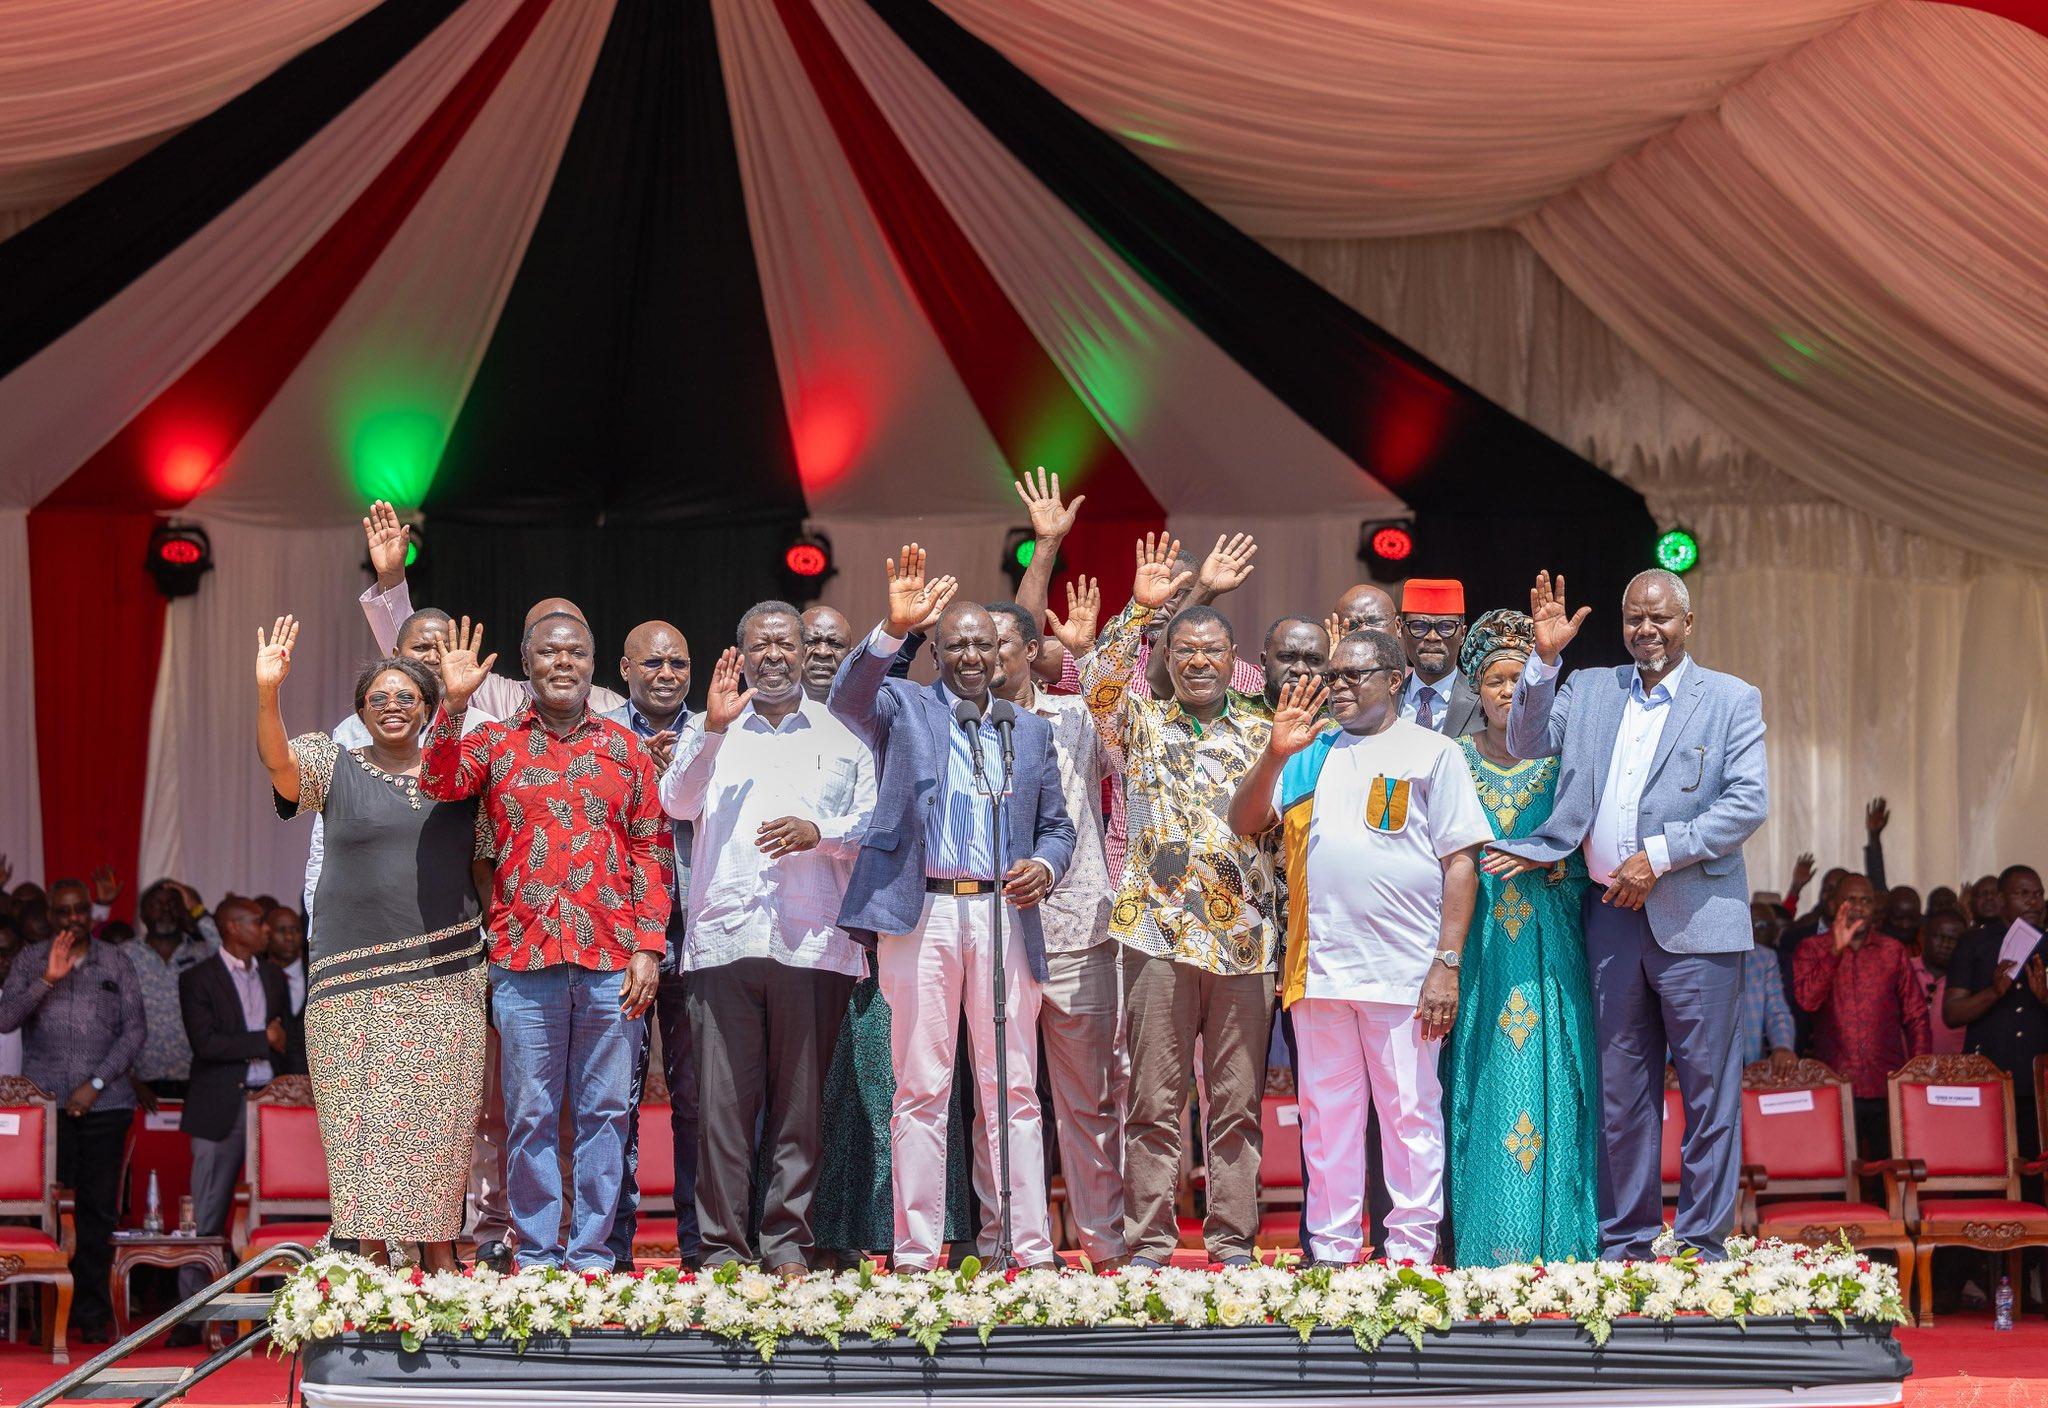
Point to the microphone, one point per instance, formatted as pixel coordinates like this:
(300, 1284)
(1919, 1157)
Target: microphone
(969, 718)
(1003, 714)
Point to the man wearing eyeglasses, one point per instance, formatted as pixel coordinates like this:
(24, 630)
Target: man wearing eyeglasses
(656, 669)
(1432, 630)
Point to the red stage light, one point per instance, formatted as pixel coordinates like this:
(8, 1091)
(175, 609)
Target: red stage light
(806, 560)
(184, 469)
(178, 552)
(1393, 543)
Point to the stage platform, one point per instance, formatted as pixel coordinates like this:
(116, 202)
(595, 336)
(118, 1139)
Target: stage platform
(1653, 1364)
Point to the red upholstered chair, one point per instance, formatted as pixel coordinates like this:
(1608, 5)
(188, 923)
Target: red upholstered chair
(1281, 1184)
(286, 1169)
(1801, 1181)
(39, 1246)
(1955, 1180)
(1669, 1163)
(654, 1237)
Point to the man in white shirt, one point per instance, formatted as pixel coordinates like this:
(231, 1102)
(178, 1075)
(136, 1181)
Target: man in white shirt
(779, 793)
(1381, 829)
(1081, 1007)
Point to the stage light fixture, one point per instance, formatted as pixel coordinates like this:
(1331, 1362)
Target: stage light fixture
(1019, 545)
(1678, 550)
(806, 566)
(1384, 547)
(179, 555)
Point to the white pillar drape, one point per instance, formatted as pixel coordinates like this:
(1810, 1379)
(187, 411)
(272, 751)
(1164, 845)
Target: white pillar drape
(21, 801)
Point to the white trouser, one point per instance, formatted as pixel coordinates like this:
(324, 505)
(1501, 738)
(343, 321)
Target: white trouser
(1352, 1052)
(928, 977)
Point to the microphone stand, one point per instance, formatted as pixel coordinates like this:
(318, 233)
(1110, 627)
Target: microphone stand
(1005, 1255)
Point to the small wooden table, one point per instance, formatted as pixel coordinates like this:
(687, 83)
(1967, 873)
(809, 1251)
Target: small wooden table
(166, 1251)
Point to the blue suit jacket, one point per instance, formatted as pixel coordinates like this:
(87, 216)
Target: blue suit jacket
(1707, 791)
(909, 728)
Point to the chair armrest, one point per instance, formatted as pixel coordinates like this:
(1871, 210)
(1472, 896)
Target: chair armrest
(1905, 1170)
(60, 1203)
(2034, 1166)
(1755, 1177)
(1902, 1180)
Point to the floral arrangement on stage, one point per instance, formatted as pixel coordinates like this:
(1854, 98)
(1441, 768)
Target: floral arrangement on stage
(339, 1294)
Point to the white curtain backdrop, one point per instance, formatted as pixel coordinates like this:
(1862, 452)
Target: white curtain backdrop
(21, 802)
(207, 815)
(1862, 635)
(86, 86)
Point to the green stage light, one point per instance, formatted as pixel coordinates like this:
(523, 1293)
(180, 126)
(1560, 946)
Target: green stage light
(1024, 551)
(1678, 551)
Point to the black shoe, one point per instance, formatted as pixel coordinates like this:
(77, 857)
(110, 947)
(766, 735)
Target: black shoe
(495, 1255)
(93, 1334)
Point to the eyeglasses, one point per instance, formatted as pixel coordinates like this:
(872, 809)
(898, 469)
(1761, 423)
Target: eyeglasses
(404, 699)
(1354, 677)
(678, 663)
(1421, 627)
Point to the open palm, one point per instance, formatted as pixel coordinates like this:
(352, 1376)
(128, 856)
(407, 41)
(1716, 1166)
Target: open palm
(274, 652)
(1155, 581)
(915, 602)
(1556, 625)
(462, 673)
(1299, 717)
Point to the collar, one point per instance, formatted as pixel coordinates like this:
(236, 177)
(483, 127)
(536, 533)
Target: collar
(236, 965)
(646, 727)
(799, 717)
(526, 715)
(1412, 690)
(1667, 688)
(1231, 702)
(949, 698)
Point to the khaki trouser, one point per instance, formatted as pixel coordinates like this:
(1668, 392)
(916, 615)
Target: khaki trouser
(1170, 1005)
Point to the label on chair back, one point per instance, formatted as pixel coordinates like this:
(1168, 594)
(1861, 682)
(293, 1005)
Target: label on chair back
(10, 1124)
(1965, 1097)
(1784, 1102)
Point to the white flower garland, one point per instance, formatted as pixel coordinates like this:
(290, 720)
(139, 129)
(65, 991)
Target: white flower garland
(338, 1294)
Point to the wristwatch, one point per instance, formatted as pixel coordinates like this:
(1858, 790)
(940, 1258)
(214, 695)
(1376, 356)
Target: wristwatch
(98, 1084)
(1449, 957)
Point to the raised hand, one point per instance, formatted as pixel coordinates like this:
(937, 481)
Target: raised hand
(1333, 627)
(1556, 626)
(1802, 872)
(274, 652)
(726, 698)
(915, 603)
(1876, 817)
(63, 957)
(662, 748)
(1156, 581)
(106, 886)
(1299, 717)
(387, 539)
(1084, 613)
(1050, 520)
(462, 674)
(1227, 565)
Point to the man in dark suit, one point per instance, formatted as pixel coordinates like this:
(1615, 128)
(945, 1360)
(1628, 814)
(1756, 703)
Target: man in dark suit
(1435, 694)
(922, 885)
(235, 1007)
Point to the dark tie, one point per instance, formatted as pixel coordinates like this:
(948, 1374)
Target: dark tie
(1425, 707)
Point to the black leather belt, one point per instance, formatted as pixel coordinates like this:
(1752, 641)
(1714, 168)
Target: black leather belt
(957, 887)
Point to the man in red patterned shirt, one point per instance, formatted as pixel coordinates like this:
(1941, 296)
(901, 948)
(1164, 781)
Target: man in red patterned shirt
(577, 923)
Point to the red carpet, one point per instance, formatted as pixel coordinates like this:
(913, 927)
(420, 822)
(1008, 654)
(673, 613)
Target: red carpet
(1960, 1363)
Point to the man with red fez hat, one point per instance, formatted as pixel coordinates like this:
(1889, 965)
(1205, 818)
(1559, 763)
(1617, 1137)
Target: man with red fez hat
(1432, 631)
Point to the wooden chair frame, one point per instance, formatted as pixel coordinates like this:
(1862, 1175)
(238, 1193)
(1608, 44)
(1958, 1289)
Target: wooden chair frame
(53, 1215)
(1904, 1179)
(255, 1210)
(1890, 1235)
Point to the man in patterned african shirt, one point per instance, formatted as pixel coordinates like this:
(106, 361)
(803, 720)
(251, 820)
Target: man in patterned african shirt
(577, 927)
(1193, 910)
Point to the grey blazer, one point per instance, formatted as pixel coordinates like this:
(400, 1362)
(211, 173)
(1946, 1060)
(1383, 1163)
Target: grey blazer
(909, 727)
(1707, 792)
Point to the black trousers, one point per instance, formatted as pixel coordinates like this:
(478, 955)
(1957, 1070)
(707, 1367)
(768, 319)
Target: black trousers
(680, 1070)
(763, 1034)
(89, 1163)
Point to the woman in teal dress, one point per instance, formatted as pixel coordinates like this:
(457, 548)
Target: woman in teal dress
(1520, 1072)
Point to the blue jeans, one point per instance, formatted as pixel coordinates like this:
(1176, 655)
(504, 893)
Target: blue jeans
(562, 1037)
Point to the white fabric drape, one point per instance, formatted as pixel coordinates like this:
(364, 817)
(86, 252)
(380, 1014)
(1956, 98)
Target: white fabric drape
(86, 86)
(1331, 118)
(68, 400)
(207, 814)
(21, 798)
(1890, 662)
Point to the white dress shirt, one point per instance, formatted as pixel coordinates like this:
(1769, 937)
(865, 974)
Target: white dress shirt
(1616, 833)
(248, 981)
(1411, 699)
(742, 904)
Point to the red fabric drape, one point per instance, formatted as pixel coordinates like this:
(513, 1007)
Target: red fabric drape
(99, 631)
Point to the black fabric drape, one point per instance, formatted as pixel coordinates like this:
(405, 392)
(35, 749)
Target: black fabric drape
(63, 267)
(631, 377)
(699, 578)
(1496, 499)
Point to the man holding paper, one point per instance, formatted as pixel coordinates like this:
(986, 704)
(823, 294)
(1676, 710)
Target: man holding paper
(1998, 989)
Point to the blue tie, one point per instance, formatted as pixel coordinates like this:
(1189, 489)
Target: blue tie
(1425, 707)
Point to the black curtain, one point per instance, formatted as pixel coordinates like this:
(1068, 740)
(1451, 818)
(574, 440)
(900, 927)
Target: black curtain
(1495, 498)
(700, 578)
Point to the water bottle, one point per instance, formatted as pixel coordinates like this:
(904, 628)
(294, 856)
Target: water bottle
(2002, 1307)
(153, 1210)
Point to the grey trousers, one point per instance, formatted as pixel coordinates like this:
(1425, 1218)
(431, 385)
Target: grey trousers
(762, 1033)
(216, 1169)
(1647, 1000)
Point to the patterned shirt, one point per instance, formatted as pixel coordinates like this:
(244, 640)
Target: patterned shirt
(1763, 1019)
(576, 826)
(1191, 889)
(89, 1024)
(166, 1055)
(1870, 1012)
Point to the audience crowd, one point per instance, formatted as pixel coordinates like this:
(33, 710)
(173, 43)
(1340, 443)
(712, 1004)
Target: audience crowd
(1479, 905)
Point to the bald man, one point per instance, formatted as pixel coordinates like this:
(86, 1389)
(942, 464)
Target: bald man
(387, 605)
(656, 669)
(1366, 607)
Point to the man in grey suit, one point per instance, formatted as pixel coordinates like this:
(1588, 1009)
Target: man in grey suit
(1435, 695)
(923, 886)
(1661, 779)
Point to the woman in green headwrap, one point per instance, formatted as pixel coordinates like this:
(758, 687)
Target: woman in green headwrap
(1519, 1072)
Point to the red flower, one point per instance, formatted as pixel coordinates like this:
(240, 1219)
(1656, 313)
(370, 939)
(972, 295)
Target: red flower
(419, 1276)
(1407, 1261)
(324, 1287)
(1010, 1274)
(590, 1278)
